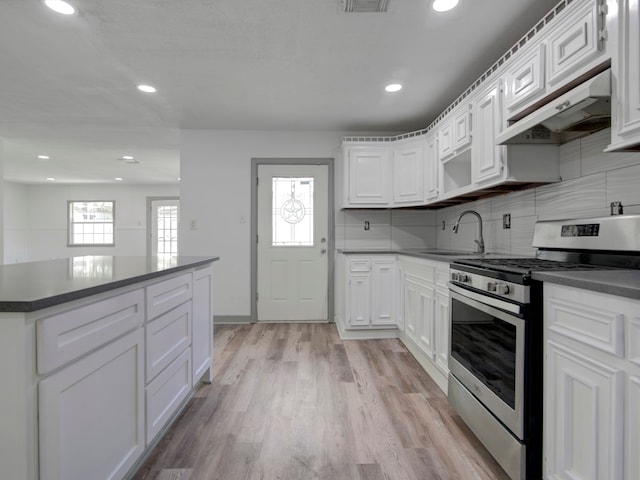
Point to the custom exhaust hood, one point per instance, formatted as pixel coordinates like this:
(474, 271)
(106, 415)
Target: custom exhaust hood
(583, 110)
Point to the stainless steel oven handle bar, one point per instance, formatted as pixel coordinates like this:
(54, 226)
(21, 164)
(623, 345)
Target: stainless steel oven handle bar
(486, 300)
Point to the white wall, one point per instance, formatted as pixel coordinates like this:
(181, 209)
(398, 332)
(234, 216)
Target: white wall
(2, 207)
(16, 222)
(46, 211)
(215, 167)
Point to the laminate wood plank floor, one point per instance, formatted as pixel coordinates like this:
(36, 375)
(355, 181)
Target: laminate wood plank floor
(295, 402)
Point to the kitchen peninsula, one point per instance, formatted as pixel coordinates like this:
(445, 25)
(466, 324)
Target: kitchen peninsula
(97, 356)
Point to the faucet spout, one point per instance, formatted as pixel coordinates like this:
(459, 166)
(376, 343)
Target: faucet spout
(480, 240)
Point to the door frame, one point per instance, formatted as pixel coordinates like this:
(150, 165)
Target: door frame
(150, 201)
(255, 162)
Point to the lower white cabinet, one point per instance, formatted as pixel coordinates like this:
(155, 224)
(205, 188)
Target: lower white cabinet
(426, 314)
(591, 385)
(371, 286)
(202, 323)
(91, 414)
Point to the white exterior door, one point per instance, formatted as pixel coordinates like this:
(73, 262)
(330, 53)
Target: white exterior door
(292, 242)
(164, 215)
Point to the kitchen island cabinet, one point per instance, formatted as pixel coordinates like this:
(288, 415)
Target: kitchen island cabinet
(74, 335)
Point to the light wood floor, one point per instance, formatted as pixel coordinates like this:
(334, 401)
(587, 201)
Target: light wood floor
(293, 401)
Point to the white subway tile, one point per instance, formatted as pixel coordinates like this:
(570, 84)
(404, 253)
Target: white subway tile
(595, 160)
(573, 198)
(623, 185)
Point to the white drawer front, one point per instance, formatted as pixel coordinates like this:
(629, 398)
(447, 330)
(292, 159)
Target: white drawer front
(166, 337)
(163, 296)
(165, 394)
(581, 318)
(68, 335)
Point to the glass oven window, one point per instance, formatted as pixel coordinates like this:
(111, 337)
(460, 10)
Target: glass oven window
(486, 346)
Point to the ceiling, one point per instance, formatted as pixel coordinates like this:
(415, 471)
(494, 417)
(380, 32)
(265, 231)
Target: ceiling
(68, 83)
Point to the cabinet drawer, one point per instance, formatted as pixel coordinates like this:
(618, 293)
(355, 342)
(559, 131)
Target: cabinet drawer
(360, 265)
(586, 317)
(166, 337)
(165, 394)
(71, 334)
(163, 296)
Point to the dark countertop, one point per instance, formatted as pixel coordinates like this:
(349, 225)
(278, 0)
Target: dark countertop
(27, 287)
(440, 255)
(620, 282)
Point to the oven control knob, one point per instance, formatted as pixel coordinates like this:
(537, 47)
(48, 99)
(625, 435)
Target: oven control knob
(455, 276)
(491, 286)
(463, 277)
(502, 289)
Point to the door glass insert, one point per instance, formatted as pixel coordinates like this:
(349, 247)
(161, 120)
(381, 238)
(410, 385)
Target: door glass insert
(292, 211)
(167, 225)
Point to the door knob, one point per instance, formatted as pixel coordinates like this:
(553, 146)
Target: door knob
(323, 251)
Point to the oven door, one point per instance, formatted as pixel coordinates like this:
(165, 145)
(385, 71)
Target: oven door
(487, 355)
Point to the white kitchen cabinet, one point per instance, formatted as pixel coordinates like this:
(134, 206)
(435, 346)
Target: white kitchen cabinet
(487, 157)
(576, 43)
(370, 302)
(431, 168)
(91, 414)
(166, 337)
(368, 172)
(525, 80)
(426, 315)
(625, 131)
(454, 132)
(591, 385)
(408, 173)
(202, 324)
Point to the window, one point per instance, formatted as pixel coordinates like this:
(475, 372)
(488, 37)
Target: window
(292, 212)
(91, 223)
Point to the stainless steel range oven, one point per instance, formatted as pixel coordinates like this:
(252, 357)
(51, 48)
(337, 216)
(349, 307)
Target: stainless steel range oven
(496, 336)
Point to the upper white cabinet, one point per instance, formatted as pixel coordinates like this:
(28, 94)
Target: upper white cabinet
(525, 80)
(625, 132)
(454, 132)
(592, 373)
(576, 43)
(487, 113)
(431, 168)
(408, 173)
(368, 172)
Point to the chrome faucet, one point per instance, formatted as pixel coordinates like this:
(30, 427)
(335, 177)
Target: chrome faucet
(480, 241)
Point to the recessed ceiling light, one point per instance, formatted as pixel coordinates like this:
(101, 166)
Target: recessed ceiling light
(118, 179)
(444, 5)
(51, 179)
(43, 157)
(60, 6)
(127, 157)
(394, 87)
(147, 88)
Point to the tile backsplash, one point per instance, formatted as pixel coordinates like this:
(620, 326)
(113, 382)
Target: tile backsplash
(591, 181)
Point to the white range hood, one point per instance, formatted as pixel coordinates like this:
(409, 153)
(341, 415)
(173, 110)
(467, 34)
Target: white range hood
(579, 112)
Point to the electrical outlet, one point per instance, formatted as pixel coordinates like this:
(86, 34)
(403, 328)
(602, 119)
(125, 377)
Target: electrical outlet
(506, 221)
(367, 225)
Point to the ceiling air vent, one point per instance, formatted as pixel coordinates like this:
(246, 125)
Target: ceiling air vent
(363, 6)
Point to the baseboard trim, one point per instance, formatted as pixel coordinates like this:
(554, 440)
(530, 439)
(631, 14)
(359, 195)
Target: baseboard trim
(231, 319)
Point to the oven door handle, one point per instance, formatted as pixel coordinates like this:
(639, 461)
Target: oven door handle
(486, 300)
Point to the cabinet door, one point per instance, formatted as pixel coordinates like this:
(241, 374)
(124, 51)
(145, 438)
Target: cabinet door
(442, 326)
(632, 452)
(445, 139)
(383, 283)
(411, 308)
(487, 162)
(574, 43)
(92, 414)
(583, 424)
(525, 81)
(426, 324)
(626, 68)
(359, 299)
(462, 127)
(369, 179)
(408, 174)
(202, 318)
(432, 170)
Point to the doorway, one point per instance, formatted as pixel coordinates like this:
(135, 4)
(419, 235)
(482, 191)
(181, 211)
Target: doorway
(292, 247)
(163, 218)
